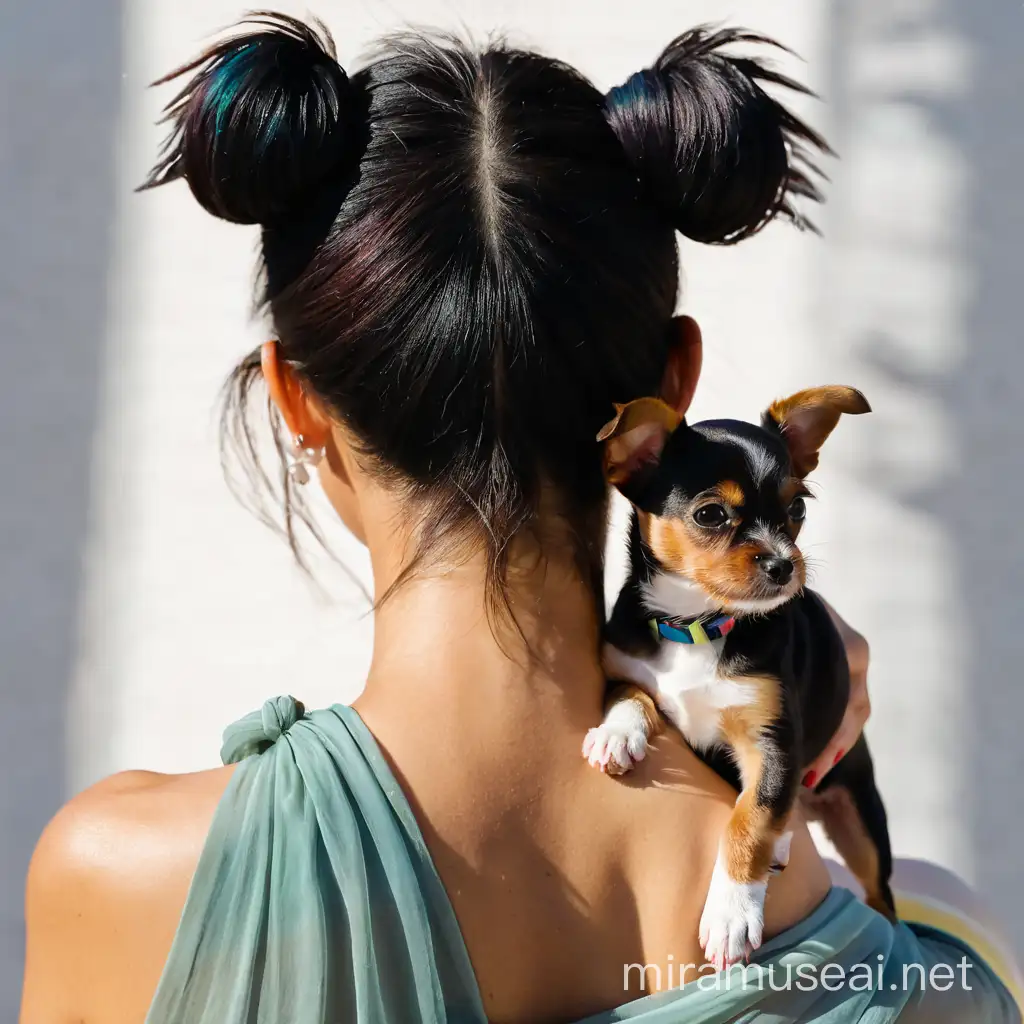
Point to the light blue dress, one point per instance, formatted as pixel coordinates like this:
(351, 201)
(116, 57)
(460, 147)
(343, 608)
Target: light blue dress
(315, 901)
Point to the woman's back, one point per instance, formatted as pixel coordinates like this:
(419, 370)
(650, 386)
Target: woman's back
(559, 877)
(316, 899)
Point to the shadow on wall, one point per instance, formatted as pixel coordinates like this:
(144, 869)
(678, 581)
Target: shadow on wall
(951, 71)
(60, 72)
(986, 401)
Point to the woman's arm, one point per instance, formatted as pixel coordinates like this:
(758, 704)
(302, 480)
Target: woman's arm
(858, 710)
(74, 905)
(105, 889)
(56, 904)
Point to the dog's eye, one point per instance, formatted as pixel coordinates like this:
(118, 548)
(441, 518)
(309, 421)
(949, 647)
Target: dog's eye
(797, 510)
(711, 517)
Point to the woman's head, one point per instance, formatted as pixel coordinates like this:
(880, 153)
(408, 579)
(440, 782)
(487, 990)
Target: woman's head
(470, 256)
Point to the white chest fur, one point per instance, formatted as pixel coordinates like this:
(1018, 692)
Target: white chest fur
(684, 682)
(682, 678)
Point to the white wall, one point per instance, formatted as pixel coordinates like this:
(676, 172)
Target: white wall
(142, 609)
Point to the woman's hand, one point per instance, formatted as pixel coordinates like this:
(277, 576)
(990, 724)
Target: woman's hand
(857, 710)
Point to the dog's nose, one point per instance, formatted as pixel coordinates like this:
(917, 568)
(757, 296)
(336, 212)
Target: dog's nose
(778, 570)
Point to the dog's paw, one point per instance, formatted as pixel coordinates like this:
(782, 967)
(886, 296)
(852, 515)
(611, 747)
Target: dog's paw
(732, 924)
(615, 749)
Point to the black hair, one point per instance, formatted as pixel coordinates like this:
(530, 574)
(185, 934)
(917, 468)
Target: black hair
(469, 255)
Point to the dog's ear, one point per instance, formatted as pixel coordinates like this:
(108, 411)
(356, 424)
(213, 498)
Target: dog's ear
(634, 440)
(808, 417)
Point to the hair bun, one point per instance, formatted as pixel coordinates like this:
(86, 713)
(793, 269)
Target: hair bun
(711, 147)
(266, 118)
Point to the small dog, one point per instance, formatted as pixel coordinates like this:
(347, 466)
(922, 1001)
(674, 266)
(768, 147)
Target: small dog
(714, 630)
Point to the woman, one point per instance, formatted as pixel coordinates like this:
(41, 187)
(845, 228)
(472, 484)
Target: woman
(468, 259)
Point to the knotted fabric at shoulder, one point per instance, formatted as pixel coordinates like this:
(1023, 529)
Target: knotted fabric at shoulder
(315, 900)
(260, 729)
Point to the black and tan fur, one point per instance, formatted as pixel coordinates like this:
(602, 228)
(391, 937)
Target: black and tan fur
(784, 656)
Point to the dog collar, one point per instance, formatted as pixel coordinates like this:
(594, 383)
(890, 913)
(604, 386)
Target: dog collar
(695, 631)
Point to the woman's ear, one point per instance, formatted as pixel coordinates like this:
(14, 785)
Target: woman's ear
(299, 411)
(304, 415)
(682, 371)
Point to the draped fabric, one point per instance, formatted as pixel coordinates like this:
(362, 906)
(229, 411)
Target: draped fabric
(315, 901)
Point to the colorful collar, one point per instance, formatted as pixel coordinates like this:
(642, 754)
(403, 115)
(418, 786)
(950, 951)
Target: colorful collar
(696, 631)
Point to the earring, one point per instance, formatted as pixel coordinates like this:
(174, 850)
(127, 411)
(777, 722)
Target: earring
(301, 459)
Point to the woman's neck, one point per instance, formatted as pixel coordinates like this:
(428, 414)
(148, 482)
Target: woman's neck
(436, 647)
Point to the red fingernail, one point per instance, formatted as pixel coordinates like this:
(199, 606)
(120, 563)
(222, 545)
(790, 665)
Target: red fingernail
(808, 779)
(838, 758)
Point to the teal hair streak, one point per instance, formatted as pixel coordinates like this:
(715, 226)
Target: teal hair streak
(225, 83)
(635, 89)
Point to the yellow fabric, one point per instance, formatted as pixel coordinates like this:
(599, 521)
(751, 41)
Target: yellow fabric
(918, 909)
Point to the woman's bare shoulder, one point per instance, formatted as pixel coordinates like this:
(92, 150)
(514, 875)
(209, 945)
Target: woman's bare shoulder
(106, 885)
(128, 829)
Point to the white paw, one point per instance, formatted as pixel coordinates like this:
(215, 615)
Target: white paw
(615, 748)
(732, 924)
